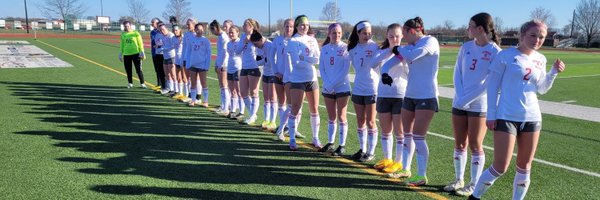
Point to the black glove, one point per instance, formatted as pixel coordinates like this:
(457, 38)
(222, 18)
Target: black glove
(265, 59)
(387, 79)
(259, 58)
(395, 50)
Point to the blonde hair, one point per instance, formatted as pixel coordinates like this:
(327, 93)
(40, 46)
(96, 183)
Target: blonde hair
(533, 23)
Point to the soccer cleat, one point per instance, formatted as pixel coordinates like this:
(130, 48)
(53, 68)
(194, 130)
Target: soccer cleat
(400, 174)
(339, 151)
(316, 143)
(264, 124)
(394, 167)
(271, 126)
(359, 154)
(164, 92)
(366, 158)
(143, 85)
(299, 135)
(231, 115)
(417, 181)
(129, 85)
(281, 137)
(251, 121)
(454, 185)
(185, 99)
(327, 148)
(465, 191)
(383, 164)
(239, 117)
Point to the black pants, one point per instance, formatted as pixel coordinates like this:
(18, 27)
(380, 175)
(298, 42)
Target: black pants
(158, 68)
(135, 59)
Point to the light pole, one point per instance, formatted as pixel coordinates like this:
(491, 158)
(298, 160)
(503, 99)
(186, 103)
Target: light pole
(26, 17)
(101, 8)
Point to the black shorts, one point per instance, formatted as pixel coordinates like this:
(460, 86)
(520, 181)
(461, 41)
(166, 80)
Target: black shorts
(251, 72)
(235, 76)
(516, 128)
(168, 61)
(178, 66)
(306, 86)
(459, 112)
(268, 79)
(193, 69)
(337, 95)
(363, 100)
(420, 104)
(278, 81)
(389, 105)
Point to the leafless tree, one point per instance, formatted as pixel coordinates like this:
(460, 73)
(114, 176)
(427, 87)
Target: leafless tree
(179, 8)
(448, 25)
(544, 15)
(63, 9)
(498, 25)
(587, 19)
(331, 12)
(138, 11)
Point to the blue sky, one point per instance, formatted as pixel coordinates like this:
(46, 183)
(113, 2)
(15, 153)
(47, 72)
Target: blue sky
(433, 12)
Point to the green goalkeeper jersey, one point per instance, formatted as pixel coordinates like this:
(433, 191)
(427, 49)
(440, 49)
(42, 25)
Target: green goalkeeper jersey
(131, 43)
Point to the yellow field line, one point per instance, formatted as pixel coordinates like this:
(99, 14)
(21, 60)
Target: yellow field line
(303, 144)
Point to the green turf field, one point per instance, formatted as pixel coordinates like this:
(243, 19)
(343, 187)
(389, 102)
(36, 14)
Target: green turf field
(78, 133)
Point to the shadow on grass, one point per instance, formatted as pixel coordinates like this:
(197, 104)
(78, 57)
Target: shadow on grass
(164, 140)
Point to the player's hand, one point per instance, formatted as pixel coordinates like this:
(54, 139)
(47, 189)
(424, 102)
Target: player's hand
(559, 65)
(120, 57)
(491, 124)
(142, 55)
(387, 79)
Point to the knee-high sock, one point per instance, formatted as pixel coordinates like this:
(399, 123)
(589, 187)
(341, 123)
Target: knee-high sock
(343, 132)
(170, 85)
(274, 108)
(226, 99)
(180, 88)
(331, 131)
(460, 162)
(387, 145)
(362, 137)
(267, 110)
(255, 105)
(399, 149)
(242, 105)
(194, 95)
(521, 183)
(477, 163)
(422, 154)
(223, 98)
(315, 124)
(186, 89)
(292, 128)
(248, 103)
(235, 106)
(372, 141)
(198, 86)
(486, 180)
(283, 118)
(205, 95)
(409, 150)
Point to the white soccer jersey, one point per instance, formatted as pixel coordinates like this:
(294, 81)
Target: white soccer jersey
(517, 77)
(200, 51)
(234, 61)
(470, 76)
(366, 77)
(423, 59)
(169, 42)
(222, 54)
(282, 58)
(307, 47)
(186, 44)
(179, 52)
(268, 53)
(334, 64)
(248, 52)
(396, 69)
(159, 41)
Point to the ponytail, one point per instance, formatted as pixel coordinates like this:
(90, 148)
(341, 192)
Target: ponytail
(415, 23)
(487, 23)
(495, 37)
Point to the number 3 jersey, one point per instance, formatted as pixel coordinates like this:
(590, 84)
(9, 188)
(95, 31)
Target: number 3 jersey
(470, 74)
(517, 77)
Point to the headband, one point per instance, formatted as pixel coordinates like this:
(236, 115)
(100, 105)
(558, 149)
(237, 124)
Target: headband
(334, 25)
(363, 25)
(301, 19)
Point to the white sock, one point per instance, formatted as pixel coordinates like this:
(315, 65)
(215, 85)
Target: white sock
(292, 129)
(343, 132)
(242, 105)
(362, 137)
(234, 104)
(331, 131)
(460, 162)
(205, 94)
(170, 85)
(387, 145)
(186, 90)
(274, 108)
(422, 154)
(399, 149)
(283, 117)
(372, 141)
(486, 180)
(521, 183)
(267, 110)
(198, 86)
(477, 163)
(226, 99)
(248, 103)
(409, 150)
(255, 105)
(315, 124)
(194, 95)
(223, 98)
(179, 88)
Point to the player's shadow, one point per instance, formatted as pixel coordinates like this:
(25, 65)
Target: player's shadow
(131, 132)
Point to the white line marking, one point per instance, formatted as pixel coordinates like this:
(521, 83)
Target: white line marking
(579, 76)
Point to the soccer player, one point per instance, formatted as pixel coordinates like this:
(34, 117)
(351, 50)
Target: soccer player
(157, 55)
(304, 54)
(198, 62)
(167, 43)
(516, 75)
(469, 105)
(221, 66)
(389, 100)
(334, 64)
(234, 65)
(180, 69)
(190, 33)
(250, 74)
(132, 51)
(265, 56)
(420, 102)
(362, 50)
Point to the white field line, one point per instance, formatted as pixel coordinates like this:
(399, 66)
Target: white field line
(579, 76)
(573, 169)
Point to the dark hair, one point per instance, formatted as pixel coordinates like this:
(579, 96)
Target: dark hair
(126, 22)
(386, 44)
(256, 36)
(485, 20)
(296, 25)
(173, 20)
(198, 24)
(415, 23)
(353, 40)
(215, 24)
(329, 29)
(160, 24)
